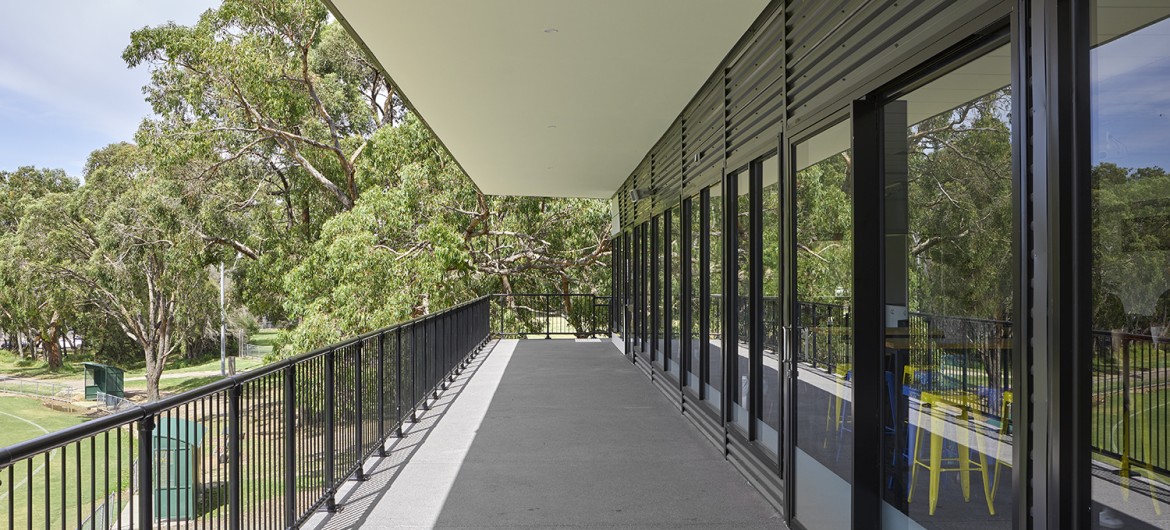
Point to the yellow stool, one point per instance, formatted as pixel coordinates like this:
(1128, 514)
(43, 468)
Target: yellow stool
(833, 414)
(936, 401)
(1005, 425)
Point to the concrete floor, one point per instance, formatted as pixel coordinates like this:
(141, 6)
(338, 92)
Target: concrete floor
(551, 434)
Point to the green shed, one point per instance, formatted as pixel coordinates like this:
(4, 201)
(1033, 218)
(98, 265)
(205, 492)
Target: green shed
(177, 443)
(103, 378)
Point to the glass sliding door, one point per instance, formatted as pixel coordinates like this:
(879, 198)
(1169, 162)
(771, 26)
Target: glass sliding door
(1130, 377)
(673, 291)
(695, 305)
(768, 414)
(644, 326)
(823, 356)
(656, 290)
(714, 378)
(947, 357)
(739, 373)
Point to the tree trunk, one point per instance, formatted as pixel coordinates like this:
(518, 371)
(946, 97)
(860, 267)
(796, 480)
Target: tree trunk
(153, 371)
(52, 344)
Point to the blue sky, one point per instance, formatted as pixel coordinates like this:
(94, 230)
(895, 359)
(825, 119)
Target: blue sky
(1131, 99)
(64, 90)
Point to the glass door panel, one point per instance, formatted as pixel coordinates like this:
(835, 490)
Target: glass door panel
(768, 415)
(1130, 414)
(695, 306)
(714, 377)
(947, 357)
(738, 367)
(823, 255)
(656, 287)
(674, 290)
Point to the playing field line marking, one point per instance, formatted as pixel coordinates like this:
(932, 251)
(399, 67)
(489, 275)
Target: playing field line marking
(1134, 414)
(16, 487)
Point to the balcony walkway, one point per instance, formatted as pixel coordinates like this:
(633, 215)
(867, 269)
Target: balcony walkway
(551, 433)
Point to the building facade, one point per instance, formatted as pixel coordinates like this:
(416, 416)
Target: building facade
(906, 262)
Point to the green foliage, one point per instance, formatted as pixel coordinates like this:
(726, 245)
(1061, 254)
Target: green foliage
(824, 231)
(117, 248)
(960, 210)
(421, 237)
(1131, 269)
(281, 151)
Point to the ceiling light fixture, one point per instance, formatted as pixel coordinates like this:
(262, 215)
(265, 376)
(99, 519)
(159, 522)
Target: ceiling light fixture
(550, 31)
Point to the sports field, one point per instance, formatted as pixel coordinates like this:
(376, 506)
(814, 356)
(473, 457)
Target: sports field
(63, 476)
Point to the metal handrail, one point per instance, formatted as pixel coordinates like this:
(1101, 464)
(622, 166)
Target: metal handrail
(352, 385)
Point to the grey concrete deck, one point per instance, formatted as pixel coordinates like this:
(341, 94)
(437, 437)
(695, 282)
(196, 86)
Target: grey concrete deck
(547, 434)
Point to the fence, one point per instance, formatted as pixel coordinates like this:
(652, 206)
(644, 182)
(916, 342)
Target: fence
(1130, 381)
(822, 335)
(113, 403)
(548, 315)
(34, 388)
(1130, 419)
(261, 449)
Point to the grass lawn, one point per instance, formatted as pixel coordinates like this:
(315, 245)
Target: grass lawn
(1149, 425)
(11, 364)
(261, 342)
(13, 430)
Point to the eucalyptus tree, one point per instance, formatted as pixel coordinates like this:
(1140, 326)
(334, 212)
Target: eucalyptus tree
(270, 83)
(423, 237)
(30, 307)
(117, 247)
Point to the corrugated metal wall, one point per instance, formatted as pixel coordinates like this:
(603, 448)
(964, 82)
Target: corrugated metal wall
(801, 61)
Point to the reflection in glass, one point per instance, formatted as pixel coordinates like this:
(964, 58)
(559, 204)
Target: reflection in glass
(824, 353)
(949, 294)
(1130, 422)
(657, 236)
(768, 417)
(714, 380)
(635, 293)
(674, 323)
(696, 306)
(743, 235)
(644, 285)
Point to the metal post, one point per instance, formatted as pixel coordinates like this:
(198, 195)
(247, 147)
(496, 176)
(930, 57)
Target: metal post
(145, 472)
(359, 411)
(222, 327)
(414, 370)
(382, 394)
(330, 434)
(547, 318)
(235, 507)
(290, 446)
(398, 381)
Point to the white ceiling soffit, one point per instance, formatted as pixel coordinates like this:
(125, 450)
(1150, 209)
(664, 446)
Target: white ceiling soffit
(558, 98)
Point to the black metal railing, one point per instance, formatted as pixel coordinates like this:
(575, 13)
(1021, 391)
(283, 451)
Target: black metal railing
(261, 449)
(1130, 388)
(822, 334)
(551, 314)
(1130, 381)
